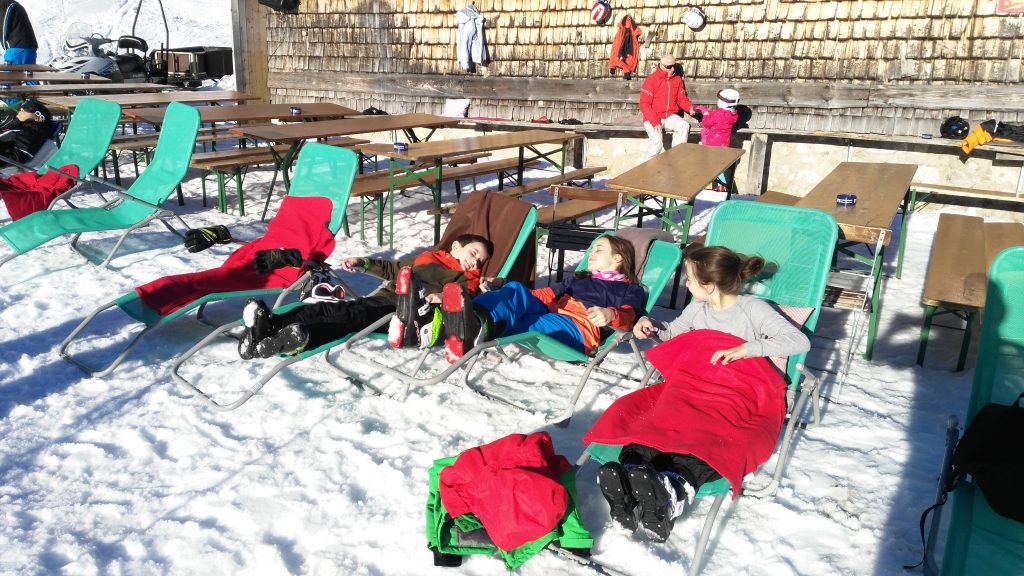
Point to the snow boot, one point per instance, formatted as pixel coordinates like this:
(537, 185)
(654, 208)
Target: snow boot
(291, 340)
(462, 325)
(660, 500)
(256, 317)
(402, 329)
(615, 488)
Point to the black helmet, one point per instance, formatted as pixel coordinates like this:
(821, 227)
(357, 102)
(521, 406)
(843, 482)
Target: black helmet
(955, 127)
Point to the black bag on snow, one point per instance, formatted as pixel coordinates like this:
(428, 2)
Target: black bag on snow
(991, 452)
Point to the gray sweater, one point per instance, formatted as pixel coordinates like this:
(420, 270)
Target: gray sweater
(765, 330)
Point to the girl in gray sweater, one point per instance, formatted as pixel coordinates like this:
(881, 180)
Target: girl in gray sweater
(657, 486)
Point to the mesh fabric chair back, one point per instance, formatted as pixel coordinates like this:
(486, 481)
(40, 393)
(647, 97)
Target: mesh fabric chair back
(979, 540)
(328, 171)
(88, 136)
(170, 158)
(797, 245)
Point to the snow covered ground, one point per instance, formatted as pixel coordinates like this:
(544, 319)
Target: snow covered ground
(131, 475)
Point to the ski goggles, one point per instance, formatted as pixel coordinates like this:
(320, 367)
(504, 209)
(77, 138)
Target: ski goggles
(325, 292)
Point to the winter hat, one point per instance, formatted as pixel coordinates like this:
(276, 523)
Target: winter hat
(693, 17)
(728, 98)
(601, 11)
(954, 127)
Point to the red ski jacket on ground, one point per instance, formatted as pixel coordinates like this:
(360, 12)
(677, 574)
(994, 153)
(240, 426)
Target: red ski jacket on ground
(510, 485)
(662, 96)
(28, 192)
(301, 223)
(727, 415)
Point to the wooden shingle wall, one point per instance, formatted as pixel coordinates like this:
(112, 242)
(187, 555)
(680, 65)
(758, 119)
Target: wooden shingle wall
(879, 66)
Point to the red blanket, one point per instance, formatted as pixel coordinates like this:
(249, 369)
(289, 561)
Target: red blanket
(300, 223)
(729, 416)
(28, 192)
(511, 486)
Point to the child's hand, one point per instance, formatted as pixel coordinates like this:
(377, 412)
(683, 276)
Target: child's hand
(488, 284)
(600, 316)
(434, 298)
(727, 356)
(350, 264)
(644, 328)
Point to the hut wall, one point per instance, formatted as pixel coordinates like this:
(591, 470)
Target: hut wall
(874, 66)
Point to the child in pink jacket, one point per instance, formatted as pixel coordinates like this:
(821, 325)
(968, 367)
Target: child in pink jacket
(717, 124)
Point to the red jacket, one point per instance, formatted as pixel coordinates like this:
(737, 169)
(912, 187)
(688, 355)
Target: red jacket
(717, 125)
(28, 192)
(510, 485)
(661, 96)
(727, 415)
(625, 47)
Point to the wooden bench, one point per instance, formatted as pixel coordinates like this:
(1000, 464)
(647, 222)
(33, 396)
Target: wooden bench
(963, 192)
(575, 178)
(957, 276)
(583, 202)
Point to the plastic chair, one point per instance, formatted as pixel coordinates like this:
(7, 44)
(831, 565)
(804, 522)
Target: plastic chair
(465, 220)
(132, 209)
(801, 243)
(980, 541)
(324, 171)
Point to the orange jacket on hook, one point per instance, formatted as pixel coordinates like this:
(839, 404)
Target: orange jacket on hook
(625, 47)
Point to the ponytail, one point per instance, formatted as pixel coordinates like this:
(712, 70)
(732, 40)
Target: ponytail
(722, 267)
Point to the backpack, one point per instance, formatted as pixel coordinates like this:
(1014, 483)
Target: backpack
(991, 452)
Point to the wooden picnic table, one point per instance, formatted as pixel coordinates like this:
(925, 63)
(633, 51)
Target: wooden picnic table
(13, 76)
(155, 99)
(672, 180)
(64, 89)
(296, 133)
(23, 67)
(427, 159)
(882, 190)
(250, 112)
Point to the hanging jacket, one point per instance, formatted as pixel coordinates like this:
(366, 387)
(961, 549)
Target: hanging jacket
(662, 96)
(716, 126)
(625, 47)
(728, 415)
(471, 48)
(511, 486)
(17, 31)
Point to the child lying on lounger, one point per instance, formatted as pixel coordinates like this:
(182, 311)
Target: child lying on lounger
(412, 281)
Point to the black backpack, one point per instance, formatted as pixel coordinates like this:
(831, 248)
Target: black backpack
(991, 453)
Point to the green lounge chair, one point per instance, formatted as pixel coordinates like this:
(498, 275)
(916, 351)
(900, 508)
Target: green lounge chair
(662, 260)
(321, 170)
(980, 541)
(466, 220)
(801, 242)
(132, 209)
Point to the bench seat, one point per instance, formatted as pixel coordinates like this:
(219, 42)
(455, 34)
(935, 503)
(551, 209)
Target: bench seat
(964, 192)
(575, 208)
(957, 277)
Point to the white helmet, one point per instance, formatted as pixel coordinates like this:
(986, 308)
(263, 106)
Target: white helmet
(693, 17)
(728, 98)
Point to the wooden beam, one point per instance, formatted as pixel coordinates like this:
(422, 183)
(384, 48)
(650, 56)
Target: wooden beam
(820, 95)
(248, 21)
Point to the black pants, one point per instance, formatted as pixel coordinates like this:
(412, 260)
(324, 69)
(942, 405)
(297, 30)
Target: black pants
(688, 466)
(327, 321)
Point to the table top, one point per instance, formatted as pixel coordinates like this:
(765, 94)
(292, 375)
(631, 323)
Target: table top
(14, 76)
(23, 67)
(880, 188)
(251, 112)
(361, 125)
(681, 172)
(441, 148)
(157, 99)
(63, 89)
